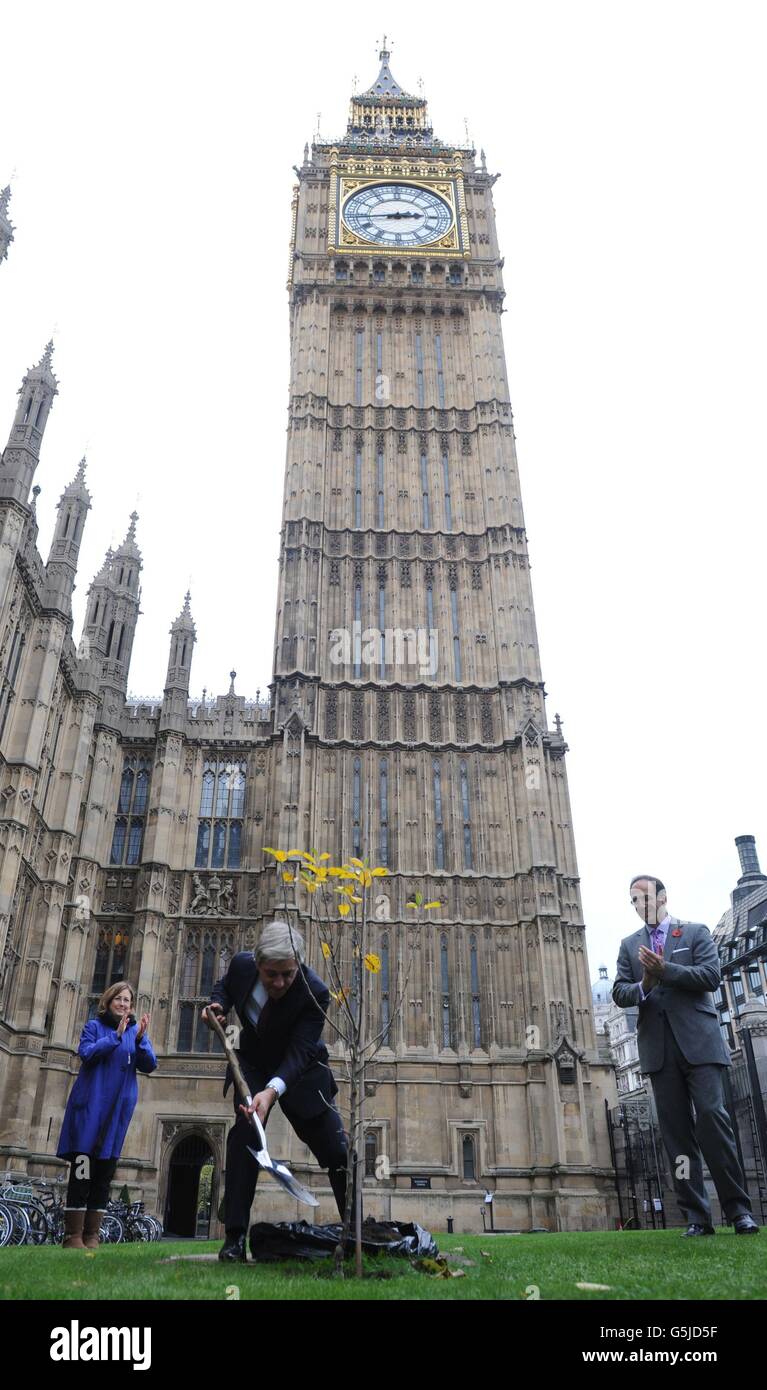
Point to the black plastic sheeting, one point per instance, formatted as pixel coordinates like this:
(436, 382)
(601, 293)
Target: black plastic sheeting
(297, 1240)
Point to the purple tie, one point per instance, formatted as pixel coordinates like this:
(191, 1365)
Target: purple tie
(657, 941)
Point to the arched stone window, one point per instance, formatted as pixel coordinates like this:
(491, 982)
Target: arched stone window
(128, 833)
(222, 807)
(447, 1036)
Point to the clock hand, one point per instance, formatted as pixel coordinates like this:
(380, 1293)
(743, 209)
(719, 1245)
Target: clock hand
(397, 214)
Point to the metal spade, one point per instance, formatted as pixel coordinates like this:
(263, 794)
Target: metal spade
(261, 1155)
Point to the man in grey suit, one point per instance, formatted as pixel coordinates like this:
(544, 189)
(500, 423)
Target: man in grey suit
(668, 969)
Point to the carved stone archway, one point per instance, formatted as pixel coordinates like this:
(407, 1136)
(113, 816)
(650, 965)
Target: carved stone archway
(212, 1136)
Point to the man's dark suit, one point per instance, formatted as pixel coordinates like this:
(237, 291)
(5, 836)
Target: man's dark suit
(285, 1043)
(681, 1048)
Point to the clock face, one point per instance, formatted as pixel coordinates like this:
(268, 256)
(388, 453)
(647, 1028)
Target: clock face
(397, 214)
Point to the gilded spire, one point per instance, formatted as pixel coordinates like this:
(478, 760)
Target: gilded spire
(385, 85)
(386, 112)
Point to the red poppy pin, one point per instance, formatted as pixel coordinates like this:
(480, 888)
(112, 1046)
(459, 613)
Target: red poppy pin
(677, 931)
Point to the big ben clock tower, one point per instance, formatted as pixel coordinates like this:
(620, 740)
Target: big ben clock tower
(411, 726)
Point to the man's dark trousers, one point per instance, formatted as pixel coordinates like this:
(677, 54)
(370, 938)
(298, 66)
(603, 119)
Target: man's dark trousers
(323, 1134)
(676, 1085)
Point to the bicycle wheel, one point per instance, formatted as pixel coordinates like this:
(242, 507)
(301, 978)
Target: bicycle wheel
(6, 1225)
(20, 1223)
(112, 1229)
(56, 1225)
(141, 1229)
(38, 1224)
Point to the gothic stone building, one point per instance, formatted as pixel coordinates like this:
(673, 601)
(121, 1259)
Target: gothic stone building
(133, 833)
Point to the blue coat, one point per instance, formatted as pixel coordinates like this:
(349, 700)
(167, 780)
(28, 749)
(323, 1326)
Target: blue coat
(104, 1095)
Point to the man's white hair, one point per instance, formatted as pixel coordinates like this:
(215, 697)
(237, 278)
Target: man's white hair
(279, 941)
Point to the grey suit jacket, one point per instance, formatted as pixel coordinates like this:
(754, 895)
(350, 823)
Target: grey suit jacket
(683, 996)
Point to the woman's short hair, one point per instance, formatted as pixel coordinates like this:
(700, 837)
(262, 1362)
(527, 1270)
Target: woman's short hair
(280, 941)
(109, 994)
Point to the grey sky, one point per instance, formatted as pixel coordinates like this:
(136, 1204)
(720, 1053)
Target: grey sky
(151, 149)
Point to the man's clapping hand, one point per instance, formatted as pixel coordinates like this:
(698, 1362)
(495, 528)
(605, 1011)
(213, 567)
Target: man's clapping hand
(651, 963)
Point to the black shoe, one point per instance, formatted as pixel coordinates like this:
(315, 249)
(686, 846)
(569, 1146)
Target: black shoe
(745, 1225)
(694, 1229)
(233, 1248)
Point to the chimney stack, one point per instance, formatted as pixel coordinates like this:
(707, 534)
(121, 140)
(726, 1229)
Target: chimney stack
(749, 861)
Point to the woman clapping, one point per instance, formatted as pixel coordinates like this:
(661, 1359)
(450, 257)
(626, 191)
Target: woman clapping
(113, 1046)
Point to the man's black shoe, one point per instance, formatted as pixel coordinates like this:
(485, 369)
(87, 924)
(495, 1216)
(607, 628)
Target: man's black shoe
(233, 1248)
(694, 1229)
(745, 1225)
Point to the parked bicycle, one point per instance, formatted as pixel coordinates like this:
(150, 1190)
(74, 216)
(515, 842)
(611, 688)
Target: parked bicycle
(31, 1209)
(32, 1213)
(135, 1223)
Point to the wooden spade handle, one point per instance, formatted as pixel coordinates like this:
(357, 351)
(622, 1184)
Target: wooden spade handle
(239, 1079)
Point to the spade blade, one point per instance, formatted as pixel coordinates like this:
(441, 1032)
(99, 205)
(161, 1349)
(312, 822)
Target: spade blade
(285, 1177)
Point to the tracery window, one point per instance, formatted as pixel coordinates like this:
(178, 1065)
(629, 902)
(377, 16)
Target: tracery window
(205, 959)
(447, 1033)
(128, 833)
(222, 807)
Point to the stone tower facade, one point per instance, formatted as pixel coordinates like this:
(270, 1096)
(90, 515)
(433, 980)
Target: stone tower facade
(405, 724)
(407, 668)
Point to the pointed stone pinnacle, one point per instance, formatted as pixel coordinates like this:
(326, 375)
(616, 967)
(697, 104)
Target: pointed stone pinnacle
(42, 371)
(232, 675)
(77, 487)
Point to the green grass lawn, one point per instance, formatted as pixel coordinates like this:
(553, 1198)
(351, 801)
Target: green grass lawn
(635, 1265)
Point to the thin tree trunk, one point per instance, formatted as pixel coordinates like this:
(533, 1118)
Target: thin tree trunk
(350, 1158)
(361, 1068)
(359, 1161)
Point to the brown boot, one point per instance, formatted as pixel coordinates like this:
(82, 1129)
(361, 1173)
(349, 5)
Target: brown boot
(91, 1229)
(73, 1228)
